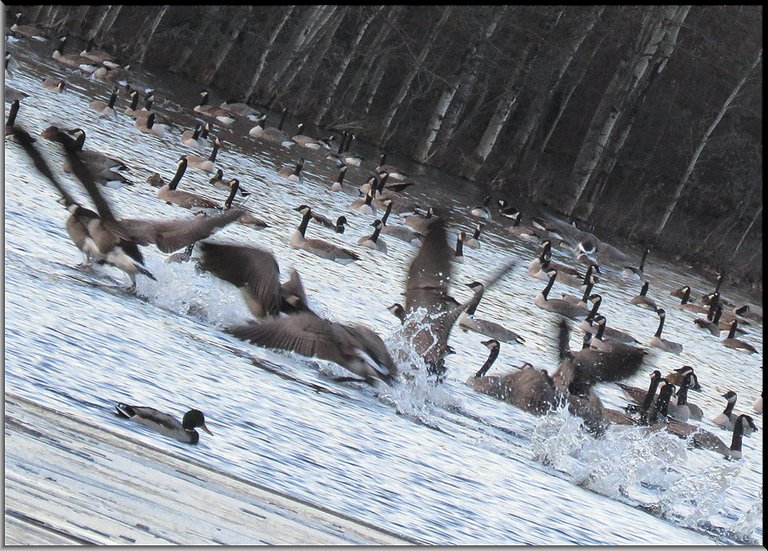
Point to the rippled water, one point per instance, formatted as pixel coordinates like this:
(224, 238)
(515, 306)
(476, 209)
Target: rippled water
(440, 465)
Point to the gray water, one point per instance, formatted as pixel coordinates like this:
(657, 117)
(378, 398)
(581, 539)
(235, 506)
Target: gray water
(442, 465)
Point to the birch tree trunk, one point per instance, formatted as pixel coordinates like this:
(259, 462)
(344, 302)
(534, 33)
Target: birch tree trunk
(535, 113)
(373, 85)
(627, 83)
(364, 72)
(703, 143)
(226, 46)
(444, 123)
(746, 232)
(99, 23)
(342, 67)
(267, 49)
(416, 66)
(313, 21)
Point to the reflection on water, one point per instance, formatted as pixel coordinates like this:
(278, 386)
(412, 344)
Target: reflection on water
(443, 465)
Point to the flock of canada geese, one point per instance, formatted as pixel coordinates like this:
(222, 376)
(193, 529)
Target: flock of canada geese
(283, 318)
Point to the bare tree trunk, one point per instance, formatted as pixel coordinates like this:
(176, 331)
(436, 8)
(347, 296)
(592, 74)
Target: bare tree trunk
(453, 100)
(109, 21)
(703, 143)
(342, 67)
(225, 45)
(628, 82)
(746, 232)
(267, 49)
(98, 24)
(416, 66)
(373, 86)
(534, 115)
(362, 74)
(311, 64)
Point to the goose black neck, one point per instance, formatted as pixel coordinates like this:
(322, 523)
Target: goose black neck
(204, 99)
(112, 99)
(729, 408)
(282, 119)
(595, 306)
(719, 282)
(718, 314)
(382, 181)
(459, 247)
(476, 235)
(550, 283)
(475, 300)
(587, 292)
(732, 330)
(382, 159)
(231, 197)
(686, 296)
(80, 141)
(196, 133)
(173, 184)
(342, 172)
(600, 330)
(488, 363)
(682, 394)
(134, 101)
(305, 222)
(212, 158)
(386, 214)
(376, 232)
(297, 170)
(342, 143)
(642, 260)
(12, 113)
(661, 326)
(369, 197)
(204, 132)
(151, 121)
(644, 289)
(738, 432)
(651, 394)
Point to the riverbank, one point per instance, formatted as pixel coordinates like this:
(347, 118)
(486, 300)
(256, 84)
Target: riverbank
(68, 481)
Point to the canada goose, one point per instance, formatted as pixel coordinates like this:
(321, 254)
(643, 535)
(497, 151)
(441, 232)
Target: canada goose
(98, 56)
(609, 333)
(529, 389)
(133, 108)
(679, 410)
(293, 174)
(398, 232)
(558, 306)
(708, 297)
(364, 205)
(318, 247)
(588, 366)
(305, 141)
(191, 138)
(685, 304)
(661, 406)
(582, 300)
(203, 163)
(523, 232)
(149, 126)
(71, 60)
(106, 109)
(640, 396)
(354, 347)
(678, 293)
(54, 85)
(28, 31)
(757, 406)
(539, 266)
(374, 241)
(483, 211)
(242, 109)
(246, 218)
(598, 342)
(394, 172)
(642, 300)
(337, 226)
(706, 440)
(737, 344)
(430, 311)
(631, 271)
(223, 116)
(271, 134)
(339, 185)
(712, 323)
(351, 159)
(663, 344)
(185, 199)
(473, 242)
(750, 312)
(115, 241)
(94, 159)
(507, 210)
(458, 253)
(165, 423)
(217, 180)
(677, 376)
(736, 314)
(420, 222)
(488, 328)
(338, 155)
(727, 419)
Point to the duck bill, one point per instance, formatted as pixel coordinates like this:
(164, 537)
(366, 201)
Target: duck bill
(206, 429)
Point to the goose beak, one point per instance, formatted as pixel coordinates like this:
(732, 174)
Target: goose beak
(206, 429)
